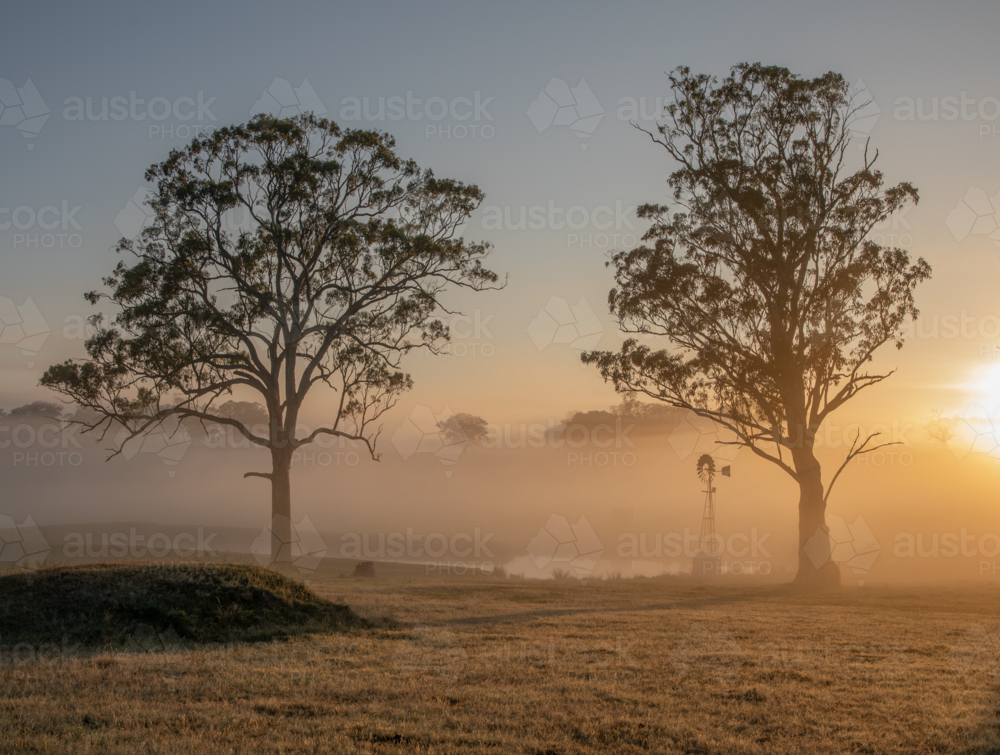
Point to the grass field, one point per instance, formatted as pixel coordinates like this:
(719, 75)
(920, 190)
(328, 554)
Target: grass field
(506, 665)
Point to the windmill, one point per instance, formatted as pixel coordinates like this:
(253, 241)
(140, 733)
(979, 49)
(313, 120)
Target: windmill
(705, 563)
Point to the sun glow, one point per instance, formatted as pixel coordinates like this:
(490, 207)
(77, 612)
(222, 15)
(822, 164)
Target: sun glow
(986, 387)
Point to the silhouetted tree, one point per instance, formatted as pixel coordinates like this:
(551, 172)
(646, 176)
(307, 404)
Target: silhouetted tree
(940, 427)
(463, 427)
(763, 277)
(45, 409)
(335, 277)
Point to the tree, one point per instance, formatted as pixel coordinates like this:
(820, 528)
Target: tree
(46, 409)
(463, 427)
(337, 274)
(764, 278)
(940, 427)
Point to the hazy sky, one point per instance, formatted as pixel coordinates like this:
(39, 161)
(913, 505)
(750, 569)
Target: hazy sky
(88, 164)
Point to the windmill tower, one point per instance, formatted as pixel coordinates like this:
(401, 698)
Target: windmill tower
(706, 562)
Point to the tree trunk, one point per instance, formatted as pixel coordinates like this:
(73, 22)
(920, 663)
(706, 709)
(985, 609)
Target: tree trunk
(816, 569)
(281, 506)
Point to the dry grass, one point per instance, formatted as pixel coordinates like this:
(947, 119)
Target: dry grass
(478, 665)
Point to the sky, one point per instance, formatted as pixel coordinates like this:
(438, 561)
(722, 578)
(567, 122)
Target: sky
(494, 68)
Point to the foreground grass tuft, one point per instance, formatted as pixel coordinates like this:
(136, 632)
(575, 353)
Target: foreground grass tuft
(156, 606)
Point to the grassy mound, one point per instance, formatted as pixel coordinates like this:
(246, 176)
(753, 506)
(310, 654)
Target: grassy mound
(150, 606)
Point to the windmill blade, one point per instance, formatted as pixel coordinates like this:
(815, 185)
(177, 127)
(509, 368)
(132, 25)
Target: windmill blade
(706, 467)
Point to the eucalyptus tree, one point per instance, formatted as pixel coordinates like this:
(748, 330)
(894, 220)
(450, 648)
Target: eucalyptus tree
(763, 274)
(336, 275)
